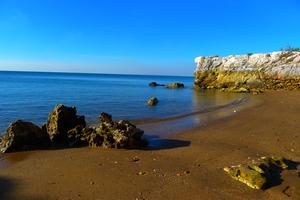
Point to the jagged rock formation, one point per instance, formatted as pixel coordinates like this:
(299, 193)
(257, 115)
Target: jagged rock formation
(108, 134)
(22, 135)
(252, 72)
(114, 134)
(61, 120)
(65, 128)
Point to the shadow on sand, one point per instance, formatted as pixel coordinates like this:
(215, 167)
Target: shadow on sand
(8, 189)
(275, 178)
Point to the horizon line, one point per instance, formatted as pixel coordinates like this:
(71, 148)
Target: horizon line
(92, 73)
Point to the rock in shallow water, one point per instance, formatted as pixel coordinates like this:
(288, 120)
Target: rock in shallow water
(22, 135)
(153, 101)
(154, 84)
(175, 85)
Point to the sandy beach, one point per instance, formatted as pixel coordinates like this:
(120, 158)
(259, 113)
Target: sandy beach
(191, 167)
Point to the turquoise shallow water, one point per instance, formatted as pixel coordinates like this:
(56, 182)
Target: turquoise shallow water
(32, 95)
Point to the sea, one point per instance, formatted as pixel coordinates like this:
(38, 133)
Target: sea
(31, 96)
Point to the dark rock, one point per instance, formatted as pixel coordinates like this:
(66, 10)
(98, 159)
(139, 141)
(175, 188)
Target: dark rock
(153, 101)
(22, 135)
(114, 134)
(94, 138)
(175, 85)
(154, 84)
(105, 118)
(76, 137)
(65, 128)
(61, 120)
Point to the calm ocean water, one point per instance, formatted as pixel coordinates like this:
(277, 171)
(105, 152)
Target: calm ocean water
(32, 95)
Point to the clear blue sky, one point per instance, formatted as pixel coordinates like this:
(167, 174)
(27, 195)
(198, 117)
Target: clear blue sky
(139, 36)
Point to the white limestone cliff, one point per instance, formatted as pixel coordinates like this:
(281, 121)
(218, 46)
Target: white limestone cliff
(267, 69)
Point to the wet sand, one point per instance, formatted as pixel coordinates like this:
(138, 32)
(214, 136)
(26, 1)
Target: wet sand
(189, 165)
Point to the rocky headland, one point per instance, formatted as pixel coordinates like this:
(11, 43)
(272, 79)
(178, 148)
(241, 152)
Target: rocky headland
(249, 73)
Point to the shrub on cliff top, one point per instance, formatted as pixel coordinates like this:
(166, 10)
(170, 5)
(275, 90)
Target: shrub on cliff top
(289, 48)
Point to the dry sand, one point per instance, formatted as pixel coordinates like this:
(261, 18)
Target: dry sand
(192, 170)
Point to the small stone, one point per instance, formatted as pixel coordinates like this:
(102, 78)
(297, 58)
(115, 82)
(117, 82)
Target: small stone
(141, 173)
(134, 159)
(187, 172)
(92, 183)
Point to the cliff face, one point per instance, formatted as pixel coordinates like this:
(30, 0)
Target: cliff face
(244, 73)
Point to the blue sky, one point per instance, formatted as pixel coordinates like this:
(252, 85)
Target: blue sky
(139, 36)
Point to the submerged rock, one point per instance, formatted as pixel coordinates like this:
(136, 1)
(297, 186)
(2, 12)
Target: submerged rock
(259, 175)
(175, 85)
(22, 135)
(60, 121)
(153, 101)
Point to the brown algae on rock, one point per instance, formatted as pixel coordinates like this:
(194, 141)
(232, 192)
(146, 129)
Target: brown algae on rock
(258, 175)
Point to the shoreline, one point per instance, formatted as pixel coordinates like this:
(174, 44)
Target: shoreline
(236, 102)
(191, 170)
(174, 126)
